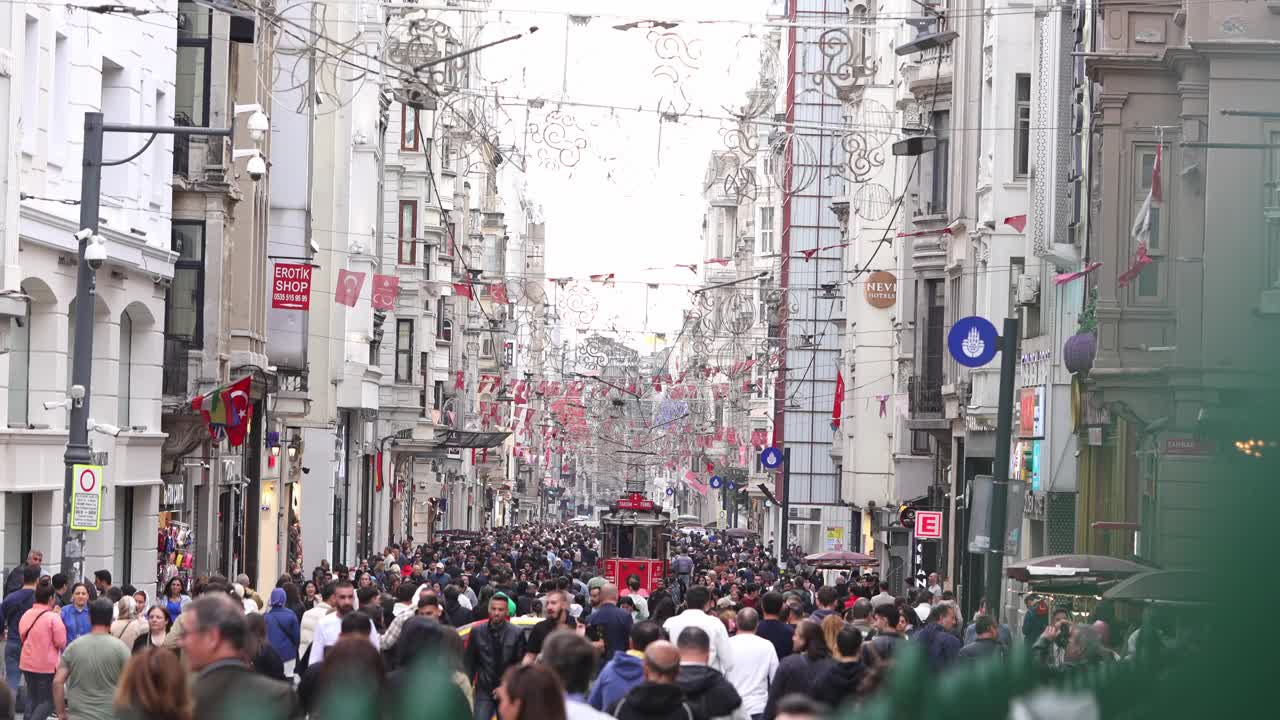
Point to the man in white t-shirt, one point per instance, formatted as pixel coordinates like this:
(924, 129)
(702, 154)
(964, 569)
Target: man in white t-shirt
(698, 599)
(755, 660)
(330, 627)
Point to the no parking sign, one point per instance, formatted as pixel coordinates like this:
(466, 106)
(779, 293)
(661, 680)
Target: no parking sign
(86, 497)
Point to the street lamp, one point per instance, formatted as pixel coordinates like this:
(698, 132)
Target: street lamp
(92, 256)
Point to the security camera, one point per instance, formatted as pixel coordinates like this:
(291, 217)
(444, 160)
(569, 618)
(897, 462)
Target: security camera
(306, 470)
(76, 392)
(84, 234)
(257, 167)
(95, 253)
(258, 125)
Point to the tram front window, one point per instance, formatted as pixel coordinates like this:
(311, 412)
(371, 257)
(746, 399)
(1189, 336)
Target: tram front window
(644, 542)
(626, 541)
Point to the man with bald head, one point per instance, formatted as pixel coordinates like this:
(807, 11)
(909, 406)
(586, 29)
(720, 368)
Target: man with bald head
(658, 697)
(755, 662)
(609, 623)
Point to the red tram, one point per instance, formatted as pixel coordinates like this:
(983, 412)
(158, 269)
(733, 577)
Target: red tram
(635, 533)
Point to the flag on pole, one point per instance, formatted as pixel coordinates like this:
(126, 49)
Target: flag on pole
(1146, 226)
(837, 407)
(349, 284)
(463, 290)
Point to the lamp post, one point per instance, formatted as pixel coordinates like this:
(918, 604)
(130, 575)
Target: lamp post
(91, 257)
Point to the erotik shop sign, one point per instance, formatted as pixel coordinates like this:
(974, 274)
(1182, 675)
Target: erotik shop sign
(291, 286)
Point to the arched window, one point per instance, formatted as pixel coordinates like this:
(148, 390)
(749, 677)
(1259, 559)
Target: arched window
(20, 369)
(125, 389)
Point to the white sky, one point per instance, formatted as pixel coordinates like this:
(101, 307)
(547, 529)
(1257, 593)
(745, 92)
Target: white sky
(634, 199)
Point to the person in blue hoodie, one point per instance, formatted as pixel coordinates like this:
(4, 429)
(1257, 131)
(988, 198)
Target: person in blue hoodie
(940, 645)
(625, 670)
(284, 632)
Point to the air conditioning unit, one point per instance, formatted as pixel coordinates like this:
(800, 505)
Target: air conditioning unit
(1028, 289)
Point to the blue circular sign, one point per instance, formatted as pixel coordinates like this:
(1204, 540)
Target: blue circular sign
(733, 485)
(973, 341)
(715, 482)
(670, 491)
(770, 458)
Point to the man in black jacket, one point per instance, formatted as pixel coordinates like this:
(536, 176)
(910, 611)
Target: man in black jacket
(986, 642)
(658, 697)
(493, 647)
(940, 646)
(842, 680)
(708, 693)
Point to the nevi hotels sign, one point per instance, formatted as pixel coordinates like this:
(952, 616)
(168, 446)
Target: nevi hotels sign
(881, 289)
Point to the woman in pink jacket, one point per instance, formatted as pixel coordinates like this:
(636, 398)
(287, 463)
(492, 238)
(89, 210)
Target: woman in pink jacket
(43, 638)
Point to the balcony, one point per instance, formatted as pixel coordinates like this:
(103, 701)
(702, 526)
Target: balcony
(925, 397)
(176, 377)
(293, 396)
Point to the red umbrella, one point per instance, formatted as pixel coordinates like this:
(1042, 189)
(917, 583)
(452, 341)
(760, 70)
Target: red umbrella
(840, 558)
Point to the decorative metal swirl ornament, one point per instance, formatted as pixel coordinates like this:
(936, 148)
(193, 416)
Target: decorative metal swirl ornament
(676, 58)
(414, 41)
(581, 303)
(860, 160)
(839, 73)
(561, 138)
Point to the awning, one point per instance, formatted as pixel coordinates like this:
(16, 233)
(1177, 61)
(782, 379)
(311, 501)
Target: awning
(470, 439)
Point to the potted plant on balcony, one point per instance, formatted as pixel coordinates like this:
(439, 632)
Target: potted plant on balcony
(1080, 349)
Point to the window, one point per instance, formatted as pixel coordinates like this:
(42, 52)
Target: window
(767, 163)
(766, 230)
(125, 387)
(58, 121)
(494, 255)
(184, 304)
(31, 86)
(486, 347)
(191, 82)
(404, 351)
(444, 326)
(437, 395)
(719, 220)
(407, 253)
(1149, 280)
(941, 163)
(408, 128)
(19, 369)
(1022, 127)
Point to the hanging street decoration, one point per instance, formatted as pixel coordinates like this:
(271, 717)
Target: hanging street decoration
(348, 290)
(770, 458)
(384, 292)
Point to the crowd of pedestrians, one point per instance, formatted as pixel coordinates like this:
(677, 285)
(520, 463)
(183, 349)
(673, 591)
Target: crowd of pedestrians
(517, 621)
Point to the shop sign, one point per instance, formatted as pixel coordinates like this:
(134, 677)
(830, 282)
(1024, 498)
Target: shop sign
(1188, 447)
(1034, 466)
(881, 289)
(835, 538)
(291, 286)
(928, 525)
(1031, 412)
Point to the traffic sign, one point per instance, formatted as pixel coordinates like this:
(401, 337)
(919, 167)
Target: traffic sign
(86, 497)
(929, 524)
(715, 482)
(770, 458)
(670, 492)
(972, 341)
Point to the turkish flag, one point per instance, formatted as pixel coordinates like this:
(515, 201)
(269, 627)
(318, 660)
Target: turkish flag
(239, 407)
(463, 290)
(498, 291)
(838, 406)
(349, 284)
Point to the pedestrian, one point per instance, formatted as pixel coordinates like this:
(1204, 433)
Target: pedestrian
(698, 614)
(283, 629)
(530, 692)
(311, 619)
(328, 629)
(128, 625)
(310, 596)
(258, 652)
(826, 598)
(841, 682)
(157, 629)
(572, 658)
(658, 697)
(174, 599)
(707, 691)
(493, 648)
(557, 618)
(154, 686)
(941, 648)
(885, 620)
(15, 605)
(986, 642)
(213, 645)
(101, 582)
(90, 669)
(774, 627)
(76, 615)
(43, 637)
(17, 578)
(797, 671)
(860, 617)
(425, 644)
(755, 664)
(625, 670)
(353, 669)
(611, 622)
(356, 625)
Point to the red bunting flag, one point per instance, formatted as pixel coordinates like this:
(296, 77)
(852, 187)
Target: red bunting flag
(384, 292)
(808, 254)
(1017, 222)
(459, 381)
(722, 261)
(498, 291)
(463, 290)
(692, 268)
(349, 284)
(838, 406)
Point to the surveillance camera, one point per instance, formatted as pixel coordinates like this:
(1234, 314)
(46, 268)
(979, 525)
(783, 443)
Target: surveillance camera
(258, 125)
(95, 253)
(76, 392)
(257, 167)
(306, 470)
(84, 234)
(54, 404)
